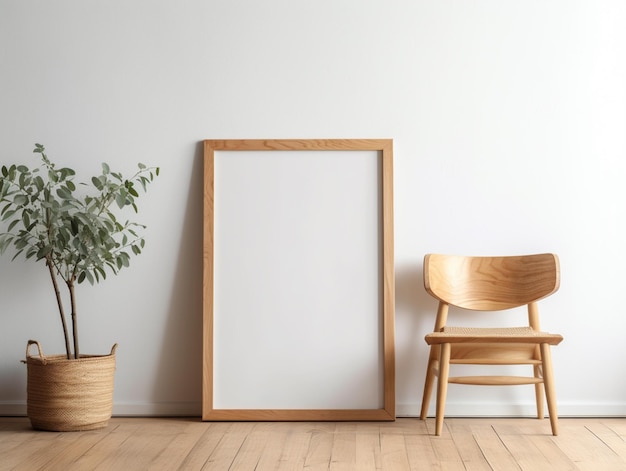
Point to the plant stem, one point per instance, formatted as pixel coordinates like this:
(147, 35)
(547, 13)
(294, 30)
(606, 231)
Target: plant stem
(59, 304)
(70, 286)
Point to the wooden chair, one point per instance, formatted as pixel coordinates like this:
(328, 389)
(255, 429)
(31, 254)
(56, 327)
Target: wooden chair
(490, 284)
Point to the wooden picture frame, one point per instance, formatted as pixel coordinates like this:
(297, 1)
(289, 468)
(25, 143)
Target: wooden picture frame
(334, 159)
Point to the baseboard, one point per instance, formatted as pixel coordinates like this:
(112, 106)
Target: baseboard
(160, 409)
(194, 409)
(167, 409)
(516, 410)
(12, 409)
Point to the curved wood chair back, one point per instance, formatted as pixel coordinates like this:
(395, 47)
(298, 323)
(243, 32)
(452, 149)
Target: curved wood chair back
(491, 283)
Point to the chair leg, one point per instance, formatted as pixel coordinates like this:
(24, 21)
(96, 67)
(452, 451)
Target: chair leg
(442, 387)
(428, 388)
(548, 382)
(538, 391)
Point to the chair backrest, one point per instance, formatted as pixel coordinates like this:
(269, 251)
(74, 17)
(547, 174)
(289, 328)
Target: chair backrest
(491, 283)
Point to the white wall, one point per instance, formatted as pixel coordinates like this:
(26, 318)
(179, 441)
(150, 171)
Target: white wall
(509, 128)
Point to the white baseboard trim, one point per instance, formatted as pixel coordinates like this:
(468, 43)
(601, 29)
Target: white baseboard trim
(516, 410)
(12, 409)
(163, 409)
(194, 409)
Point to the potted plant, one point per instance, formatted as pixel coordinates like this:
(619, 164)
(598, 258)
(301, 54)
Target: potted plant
(73, 230)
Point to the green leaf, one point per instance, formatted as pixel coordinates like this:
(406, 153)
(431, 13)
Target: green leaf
(4, 243)
(63, 194)
(82, 276)
(12, 225)
(20, 200)
(74, 224)
(8, 214)
(100, 270)
(25, 219)
(45, 250)
(122, 260)
(120, 198)
(39, 183)
(97, 183)
(20, 243)
(63, 238)
(17, 254)
(6, 208)
(109, 225)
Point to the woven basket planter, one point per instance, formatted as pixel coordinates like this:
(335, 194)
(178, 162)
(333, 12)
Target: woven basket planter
(69, 395)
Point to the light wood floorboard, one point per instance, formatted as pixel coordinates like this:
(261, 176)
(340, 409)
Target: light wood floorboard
(593, 444)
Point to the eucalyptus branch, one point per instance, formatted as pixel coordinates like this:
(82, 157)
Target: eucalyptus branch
(70, 287)
(57, 293)
(75, 233)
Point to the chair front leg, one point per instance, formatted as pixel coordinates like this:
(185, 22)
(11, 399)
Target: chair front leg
(442, 386)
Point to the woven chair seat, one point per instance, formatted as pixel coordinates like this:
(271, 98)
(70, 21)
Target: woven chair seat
(454, 334)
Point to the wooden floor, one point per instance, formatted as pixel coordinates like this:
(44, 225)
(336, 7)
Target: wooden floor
(189, 444)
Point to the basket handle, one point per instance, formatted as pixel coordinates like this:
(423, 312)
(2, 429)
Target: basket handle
(40, 350)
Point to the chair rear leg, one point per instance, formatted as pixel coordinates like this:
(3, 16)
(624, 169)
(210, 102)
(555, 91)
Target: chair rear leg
(538, 391)
(442, 387)
(548, 382)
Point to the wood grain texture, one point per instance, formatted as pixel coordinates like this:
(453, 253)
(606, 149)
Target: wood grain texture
(491, 283)
(407, 444)
(384, 145)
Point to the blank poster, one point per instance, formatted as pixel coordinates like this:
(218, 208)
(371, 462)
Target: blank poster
(298, 295)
